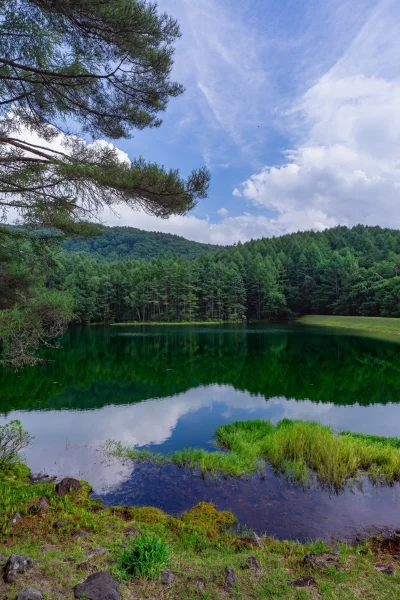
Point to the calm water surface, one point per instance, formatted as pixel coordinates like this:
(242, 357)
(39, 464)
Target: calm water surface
(169, 387)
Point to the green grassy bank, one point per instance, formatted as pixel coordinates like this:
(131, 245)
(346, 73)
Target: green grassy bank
(197, 547)
(304, 451)
(377, 326)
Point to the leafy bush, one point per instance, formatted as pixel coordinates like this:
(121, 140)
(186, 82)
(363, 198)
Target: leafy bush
(144, 557)
(13, 439)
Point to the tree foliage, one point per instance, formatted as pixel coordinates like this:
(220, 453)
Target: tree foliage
(339, 271)
(13, 439)
(104, 68)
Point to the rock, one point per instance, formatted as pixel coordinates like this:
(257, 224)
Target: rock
(17, 517)
(79, 533)
(131, 532)
(97, 552)
(42, 505)
(200, 585)
(253, 564)
(305, 581)
(255, 538)
(396, 556)
(40, 478)
(67, 485)
(99, 586)
(385, 569)
(30, 594)
(230, 579)
(15, 565)
(321, 560)
(60, 524)
(167, 577)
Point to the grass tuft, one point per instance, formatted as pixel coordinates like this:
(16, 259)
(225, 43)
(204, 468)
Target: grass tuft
(303, 451)
(143, 557)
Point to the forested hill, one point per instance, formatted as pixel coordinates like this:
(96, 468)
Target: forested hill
(339, 271)
(129, 242)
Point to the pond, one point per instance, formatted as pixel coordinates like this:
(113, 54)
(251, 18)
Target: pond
(169, 387)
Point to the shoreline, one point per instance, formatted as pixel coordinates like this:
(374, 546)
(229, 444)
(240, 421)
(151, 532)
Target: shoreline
(72, 537)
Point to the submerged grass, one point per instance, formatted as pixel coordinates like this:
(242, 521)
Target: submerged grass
(302, 450)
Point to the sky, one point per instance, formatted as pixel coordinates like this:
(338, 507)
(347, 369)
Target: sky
(293, 105)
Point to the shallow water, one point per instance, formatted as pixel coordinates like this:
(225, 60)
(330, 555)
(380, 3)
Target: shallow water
(169, 387)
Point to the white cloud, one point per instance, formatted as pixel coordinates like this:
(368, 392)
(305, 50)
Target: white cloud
(237, 193)
(347, 170)
(223, 212)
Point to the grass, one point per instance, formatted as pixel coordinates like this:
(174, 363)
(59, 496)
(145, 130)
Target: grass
(303, 451)
(143, 557)
(376, 326)
(199, 549)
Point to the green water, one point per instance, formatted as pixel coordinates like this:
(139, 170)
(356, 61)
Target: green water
(166, 388)
(98, 366)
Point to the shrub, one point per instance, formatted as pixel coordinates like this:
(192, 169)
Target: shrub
(13, 439)
(145, 556)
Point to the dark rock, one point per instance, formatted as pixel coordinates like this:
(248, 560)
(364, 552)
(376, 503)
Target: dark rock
(230, 579)
(131, 532)
(253, 564)
(40, 478)
(97, 552)
(15, 565)
(385, 569)
(79, 533)
(305, 581)
(99, 586)
(67, 485)
(60, 524)
(167, 577)
(17, 517)
(256, 539)
(42, 505)
(321, 560)
(30, 594)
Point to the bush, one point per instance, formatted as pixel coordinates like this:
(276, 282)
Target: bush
(13, 438)
(145, 556)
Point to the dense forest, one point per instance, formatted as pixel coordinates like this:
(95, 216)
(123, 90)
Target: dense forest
(338, 271)
(129, 242)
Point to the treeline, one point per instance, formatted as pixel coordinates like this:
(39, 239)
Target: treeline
(338, 271)
(130, 242)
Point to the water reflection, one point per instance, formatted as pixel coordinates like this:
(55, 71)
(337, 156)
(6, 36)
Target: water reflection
(171, 388)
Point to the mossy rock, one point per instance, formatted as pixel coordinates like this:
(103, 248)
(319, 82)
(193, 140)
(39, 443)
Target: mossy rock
(205, 517)
(147, 514)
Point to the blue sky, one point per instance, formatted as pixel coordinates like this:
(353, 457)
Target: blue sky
(294, 105)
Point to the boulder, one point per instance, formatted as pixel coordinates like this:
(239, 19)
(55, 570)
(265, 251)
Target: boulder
(131, 532)
(256, 539)
(67, 485)
(305, 581)
(167, 577)
(321, 560)
(252, 563)
(230, 579)
(30, 594)
(79, 533)
(60, 524)
(17, 517)
(42, 505)
(15, 565)
(99, 586)
(97, 552)
(385, 569)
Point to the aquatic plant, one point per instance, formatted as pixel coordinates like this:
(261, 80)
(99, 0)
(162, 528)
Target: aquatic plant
(303, 451)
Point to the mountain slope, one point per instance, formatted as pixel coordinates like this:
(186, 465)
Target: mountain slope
(129, 242)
